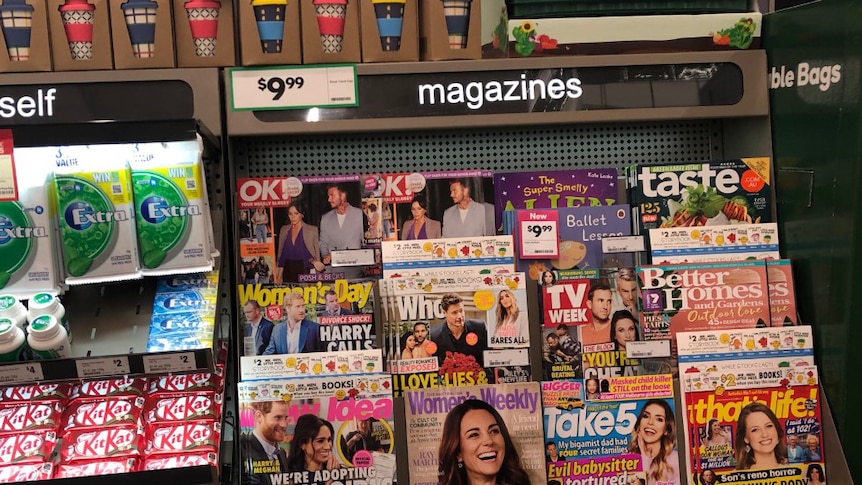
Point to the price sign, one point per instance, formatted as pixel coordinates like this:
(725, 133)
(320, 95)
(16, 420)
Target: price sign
(169, 363)
(538, 234)
(106, 366)
(20, 373)
(293, 87)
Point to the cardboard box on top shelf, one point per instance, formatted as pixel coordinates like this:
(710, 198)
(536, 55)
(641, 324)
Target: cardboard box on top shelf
(450, 29)
(577, 36)
(390, 30)
(330, 31)
(24, 43)
(269, 32)
(143, 34)
(80, 34)
(203, 31)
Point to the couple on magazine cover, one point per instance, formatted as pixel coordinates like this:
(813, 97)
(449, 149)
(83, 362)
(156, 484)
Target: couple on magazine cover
(311, 446)
(467, 217)
(304, 248)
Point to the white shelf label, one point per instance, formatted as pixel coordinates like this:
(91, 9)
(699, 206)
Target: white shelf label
(644, 349)
(18, 373)
(623, 244)
(293, 87)
(165, 363)
(107, 366)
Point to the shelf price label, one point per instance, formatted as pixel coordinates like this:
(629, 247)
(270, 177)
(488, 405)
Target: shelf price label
(538, 234)
(169, 363)
(20, 373)
(293, 87)
(105, 366)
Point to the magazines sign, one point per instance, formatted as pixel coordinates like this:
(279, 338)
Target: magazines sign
(548, 90)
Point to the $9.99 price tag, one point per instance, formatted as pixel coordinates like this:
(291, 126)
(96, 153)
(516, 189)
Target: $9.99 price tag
(538, 234)
(293, 87)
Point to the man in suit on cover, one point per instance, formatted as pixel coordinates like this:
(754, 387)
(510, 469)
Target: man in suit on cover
(333, 308)
(467, 218)
(341, 228)
(457, 333)
(297, 334)
(260, 452)
(257, 328)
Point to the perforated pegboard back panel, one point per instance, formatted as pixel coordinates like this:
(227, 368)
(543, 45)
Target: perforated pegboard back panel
(615, 145)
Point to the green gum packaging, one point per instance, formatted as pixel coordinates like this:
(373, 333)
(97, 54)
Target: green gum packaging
(28, 239)
(92, 188)
(171, 209)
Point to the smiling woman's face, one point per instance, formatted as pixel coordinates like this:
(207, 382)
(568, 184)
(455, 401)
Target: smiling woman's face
(482, 445)
(653, 424)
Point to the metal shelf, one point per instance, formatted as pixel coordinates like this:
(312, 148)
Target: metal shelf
(654, 97)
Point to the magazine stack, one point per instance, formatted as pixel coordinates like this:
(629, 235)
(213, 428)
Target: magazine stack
(752, 400)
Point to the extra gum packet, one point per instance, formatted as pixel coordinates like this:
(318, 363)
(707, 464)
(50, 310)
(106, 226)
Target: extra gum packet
(171, 208)
(93, 194)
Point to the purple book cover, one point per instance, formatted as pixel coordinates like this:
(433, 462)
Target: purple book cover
(581, 231)
(553, 189)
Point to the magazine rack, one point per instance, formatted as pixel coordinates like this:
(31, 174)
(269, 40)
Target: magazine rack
(386, 137)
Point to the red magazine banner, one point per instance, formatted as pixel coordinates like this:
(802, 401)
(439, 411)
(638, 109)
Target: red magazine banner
(8, 181)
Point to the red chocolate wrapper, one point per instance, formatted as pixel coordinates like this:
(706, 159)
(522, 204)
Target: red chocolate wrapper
(96, 444)
(183, 407)
(221, 351)
(125, 386)
(27, 472)
(164, 462)
(16, 417)
(176, 438)
(27, 447)
(112, 411)
(35, 392)
(203, 381)
(92, 468)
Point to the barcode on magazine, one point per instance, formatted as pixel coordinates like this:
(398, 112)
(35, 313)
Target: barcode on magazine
(340, 98)
(116, 189)
(191, 184)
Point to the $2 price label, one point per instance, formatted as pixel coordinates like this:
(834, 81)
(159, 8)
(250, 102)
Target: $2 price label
(292, 87)
(538, 234)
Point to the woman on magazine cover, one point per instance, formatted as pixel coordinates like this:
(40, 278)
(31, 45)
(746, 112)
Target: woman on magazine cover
(812, 452)
(654, 437)
(420, 227)
(815, 474)
(408, 343)
(260, 219)
(624, 329)
(716, 435)
(759, 439)
(372, 215)
(591, 387)
(298, 247)
(311, 447)
(476, 448)
(510, 320)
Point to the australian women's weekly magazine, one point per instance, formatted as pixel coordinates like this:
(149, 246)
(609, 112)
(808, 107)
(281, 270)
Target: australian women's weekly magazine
(316, 431)
(493, 431)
